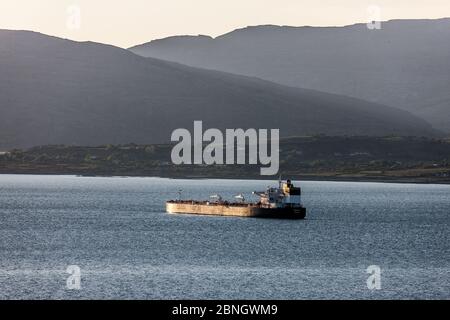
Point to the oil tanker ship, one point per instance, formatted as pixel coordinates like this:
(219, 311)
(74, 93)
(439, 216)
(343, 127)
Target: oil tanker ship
(282, 202)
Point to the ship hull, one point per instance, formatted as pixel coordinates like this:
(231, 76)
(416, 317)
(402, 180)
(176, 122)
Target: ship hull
(235, 211)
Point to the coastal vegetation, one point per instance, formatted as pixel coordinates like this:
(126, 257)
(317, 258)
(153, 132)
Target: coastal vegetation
(403, 159)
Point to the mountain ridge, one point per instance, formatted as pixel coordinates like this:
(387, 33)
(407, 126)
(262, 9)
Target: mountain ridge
(277, 26)
(58, 91)
(405, 64)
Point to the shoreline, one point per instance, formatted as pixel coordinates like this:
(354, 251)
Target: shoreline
(296, 177)
(316, 158)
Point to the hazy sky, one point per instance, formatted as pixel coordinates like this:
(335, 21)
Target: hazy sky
(126, 23)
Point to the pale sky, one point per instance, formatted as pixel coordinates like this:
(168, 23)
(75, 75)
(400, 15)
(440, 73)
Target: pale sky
(126, 23)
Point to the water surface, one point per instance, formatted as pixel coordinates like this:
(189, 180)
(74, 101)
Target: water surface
(116, 231)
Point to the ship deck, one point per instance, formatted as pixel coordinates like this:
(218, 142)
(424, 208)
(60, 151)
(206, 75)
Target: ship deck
(236, 209)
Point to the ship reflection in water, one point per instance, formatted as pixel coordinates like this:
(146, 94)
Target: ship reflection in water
(283, 202)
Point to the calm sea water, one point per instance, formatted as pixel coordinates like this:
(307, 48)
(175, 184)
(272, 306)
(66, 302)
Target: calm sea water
(116, 231)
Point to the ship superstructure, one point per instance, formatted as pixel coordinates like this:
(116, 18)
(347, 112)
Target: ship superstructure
(285, 196)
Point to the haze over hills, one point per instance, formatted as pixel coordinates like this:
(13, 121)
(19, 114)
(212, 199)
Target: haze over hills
(56, 91)
(406, 64)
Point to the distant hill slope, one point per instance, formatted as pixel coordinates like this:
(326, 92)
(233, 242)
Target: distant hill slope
(406, 64)
(55, 91)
